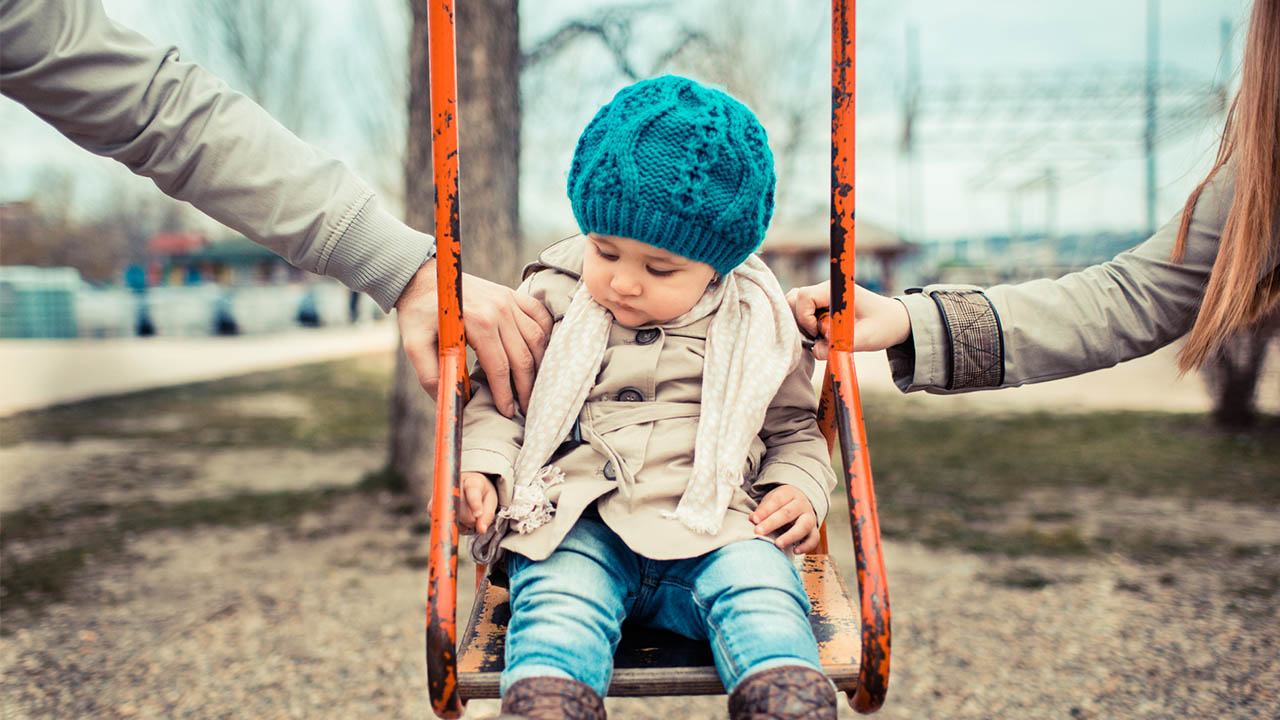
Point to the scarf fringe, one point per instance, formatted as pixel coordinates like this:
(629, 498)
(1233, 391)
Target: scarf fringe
(696, 522)
(530, 508)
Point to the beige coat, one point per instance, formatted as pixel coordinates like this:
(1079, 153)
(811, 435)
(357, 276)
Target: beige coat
(637, 429)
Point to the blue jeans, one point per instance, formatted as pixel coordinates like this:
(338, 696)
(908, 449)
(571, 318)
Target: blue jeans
(567, 610)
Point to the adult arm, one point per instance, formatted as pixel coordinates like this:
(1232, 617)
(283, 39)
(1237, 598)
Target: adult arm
(114, 93)
(963, 338)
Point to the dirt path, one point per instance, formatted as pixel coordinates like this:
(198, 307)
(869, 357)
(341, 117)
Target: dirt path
(319, 614)
(322, 618)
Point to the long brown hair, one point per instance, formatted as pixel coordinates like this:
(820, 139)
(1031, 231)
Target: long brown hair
(1238, 293)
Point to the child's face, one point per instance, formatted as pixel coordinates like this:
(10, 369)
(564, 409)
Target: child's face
(639, 283)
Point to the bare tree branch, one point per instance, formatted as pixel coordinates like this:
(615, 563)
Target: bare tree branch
(268, 48)
(613, 28)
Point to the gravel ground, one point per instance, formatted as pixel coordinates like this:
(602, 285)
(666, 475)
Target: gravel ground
(324, 619)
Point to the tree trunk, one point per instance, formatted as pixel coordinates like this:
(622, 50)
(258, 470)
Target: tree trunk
(488, 47)
(1233, 371)
(489, 137)
(412, 412)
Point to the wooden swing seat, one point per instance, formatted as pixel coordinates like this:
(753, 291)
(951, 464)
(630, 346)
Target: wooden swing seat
(657, 662)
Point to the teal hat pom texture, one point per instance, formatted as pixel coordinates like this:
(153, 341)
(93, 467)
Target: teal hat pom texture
(677, 165)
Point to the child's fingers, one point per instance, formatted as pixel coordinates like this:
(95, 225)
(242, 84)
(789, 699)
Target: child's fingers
(798, 532)
(809, 544)
(805, 310)
(466, 518)
(820, 349)
(789, 510)
(772, 502)
(488, 507)
(471, 508)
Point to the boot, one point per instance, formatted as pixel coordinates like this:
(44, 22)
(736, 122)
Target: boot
(791, 692)
(552, 698)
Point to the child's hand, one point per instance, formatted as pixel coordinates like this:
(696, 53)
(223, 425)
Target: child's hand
(478, 503)
(879, 322)
(786, 504)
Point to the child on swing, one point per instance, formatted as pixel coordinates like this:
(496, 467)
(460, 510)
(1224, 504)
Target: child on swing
(671, 456)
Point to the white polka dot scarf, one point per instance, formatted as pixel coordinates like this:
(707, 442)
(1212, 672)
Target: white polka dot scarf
(752, 344)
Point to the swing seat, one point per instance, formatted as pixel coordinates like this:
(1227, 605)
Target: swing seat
(656, 662)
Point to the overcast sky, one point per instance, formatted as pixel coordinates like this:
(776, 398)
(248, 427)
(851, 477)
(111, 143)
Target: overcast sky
(959, 41)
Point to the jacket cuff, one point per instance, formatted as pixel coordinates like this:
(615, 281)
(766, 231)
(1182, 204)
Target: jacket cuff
(918, 364)
(956, 341)
(974, 353)
(378, 254)
(806, 480)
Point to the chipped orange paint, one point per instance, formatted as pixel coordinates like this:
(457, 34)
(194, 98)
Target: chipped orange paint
(841, 400)
(868, 693)
(830, 601)
(486, 642)
(842, 171)
(827, 424)
(442, 564)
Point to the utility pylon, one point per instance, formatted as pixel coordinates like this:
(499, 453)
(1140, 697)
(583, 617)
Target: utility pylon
(1050, 129)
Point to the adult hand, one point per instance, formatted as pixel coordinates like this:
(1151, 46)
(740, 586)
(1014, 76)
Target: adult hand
(508, 330)
(878, 322)
(786, 505)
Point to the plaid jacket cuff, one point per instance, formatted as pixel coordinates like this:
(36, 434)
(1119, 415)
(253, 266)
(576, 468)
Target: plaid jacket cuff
(975, 349)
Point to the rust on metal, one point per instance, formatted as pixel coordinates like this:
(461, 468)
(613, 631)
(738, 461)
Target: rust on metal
(442, 564)
(832, 617)
(827, 424)
(842, 169)
(842, 406)
(868, 693)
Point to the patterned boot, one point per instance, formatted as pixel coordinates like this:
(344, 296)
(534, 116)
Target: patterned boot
(551, 698)
(791, 692)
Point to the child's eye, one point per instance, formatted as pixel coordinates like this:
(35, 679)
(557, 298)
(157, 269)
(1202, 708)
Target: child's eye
(660, 273)
(604, 254)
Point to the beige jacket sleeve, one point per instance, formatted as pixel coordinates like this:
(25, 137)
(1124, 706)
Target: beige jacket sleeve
(964, 338)
(796, 454)
(114, 93)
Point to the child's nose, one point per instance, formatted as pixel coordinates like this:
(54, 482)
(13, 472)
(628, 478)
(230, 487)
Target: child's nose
(624, 283)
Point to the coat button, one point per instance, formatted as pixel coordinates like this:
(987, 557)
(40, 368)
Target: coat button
(647, 336)
(630, 394)
(608, 471)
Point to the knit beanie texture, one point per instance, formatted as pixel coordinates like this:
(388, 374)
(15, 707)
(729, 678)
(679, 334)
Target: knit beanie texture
(679, 166)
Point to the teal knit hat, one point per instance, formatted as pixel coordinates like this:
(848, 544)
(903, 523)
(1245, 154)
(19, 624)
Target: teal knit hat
(679, 166)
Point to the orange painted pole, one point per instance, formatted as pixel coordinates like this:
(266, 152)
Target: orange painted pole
(873, 679)
(442, 563)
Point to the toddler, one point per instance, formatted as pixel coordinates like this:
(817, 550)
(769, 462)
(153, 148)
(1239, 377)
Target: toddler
(671, 456)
